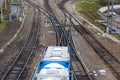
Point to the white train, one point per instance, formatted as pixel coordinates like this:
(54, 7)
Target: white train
(54, 65)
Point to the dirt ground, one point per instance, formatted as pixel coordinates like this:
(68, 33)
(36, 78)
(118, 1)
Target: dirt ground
(47, 38)
(8, 32)
(89, 56)
(12, 50)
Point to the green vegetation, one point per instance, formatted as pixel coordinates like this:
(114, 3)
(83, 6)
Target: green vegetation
(2, 25)
(118, 37)
(89, 10)
(5, 11)
(99, 1)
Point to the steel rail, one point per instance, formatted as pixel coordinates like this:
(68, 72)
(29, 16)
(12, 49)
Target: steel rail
(67, 14)
(50, 17)
(63, 39)
(58, 29)
(18, 66)
(107, 56)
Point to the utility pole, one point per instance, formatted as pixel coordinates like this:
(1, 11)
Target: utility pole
(110, 15)
(112, 6)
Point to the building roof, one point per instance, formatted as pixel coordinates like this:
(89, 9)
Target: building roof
(1, 2)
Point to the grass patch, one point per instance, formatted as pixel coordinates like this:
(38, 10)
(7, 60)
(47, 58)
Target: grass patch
(89, 9)
(2, 25)
(77, 7)
(118, 37)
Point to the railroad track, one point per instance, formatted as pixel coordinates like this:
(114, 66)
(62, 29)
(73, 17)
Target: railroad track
(79, 71)
(62, 36)
(78, 67)
(50, 15)
(54, 21)
(64, 39)
(18, 66)
(113, 63)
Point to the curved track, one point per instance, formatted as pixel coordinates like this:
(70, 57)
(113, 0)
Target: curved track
(62, 35)
(113, 63)
(18, 66)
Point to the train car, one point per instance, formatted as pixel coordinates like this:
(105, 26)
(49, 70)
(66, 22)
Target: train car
(54, 64)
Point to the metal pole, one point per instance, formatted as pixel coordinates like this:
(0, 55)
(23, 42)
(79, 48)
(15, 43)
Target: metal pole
(112, 14)
(108, 13)
(112, 8)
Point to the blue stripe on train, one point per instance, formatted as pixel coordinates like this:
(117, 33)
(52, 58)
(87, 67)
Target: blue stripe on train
(63, 63)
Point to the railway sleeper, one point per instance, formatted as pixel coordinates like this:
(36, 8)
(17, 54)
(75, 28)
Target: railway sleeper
(113, 61)
(109, 57)
(10, 78)
(17, 68)
(15, 72)
(82, 77)
(79, 73)
(20, 65)
(12, 75)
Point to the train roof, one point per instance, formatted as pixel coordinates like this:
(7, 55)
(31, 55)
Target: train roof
(53, 71)
(56, 53)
